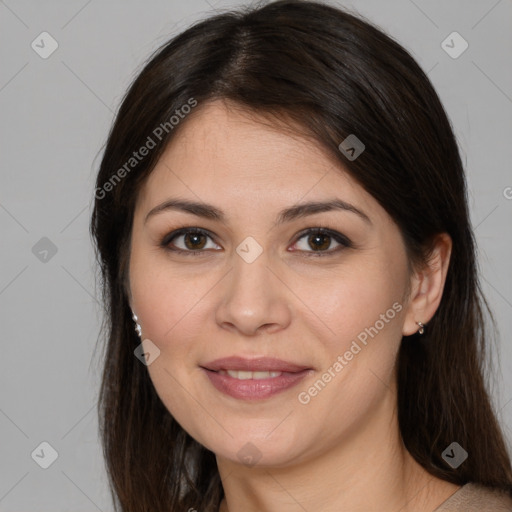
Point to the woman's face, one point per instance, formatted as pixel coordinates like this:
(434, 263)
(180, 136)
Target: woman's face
(265, 284)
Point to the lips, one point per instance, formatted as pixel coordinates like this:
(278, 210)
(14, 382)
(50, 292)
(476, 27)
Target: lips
(261, 364)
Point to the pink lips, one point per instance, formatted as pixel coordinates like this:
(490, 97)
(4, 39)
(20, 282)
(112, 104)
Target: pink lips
(254, 389)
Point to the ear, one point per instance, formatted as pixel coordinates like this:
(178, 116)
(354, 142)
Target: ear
(427, 285)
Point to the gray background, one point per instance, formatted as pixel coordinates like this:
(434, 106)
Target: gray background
(55, 116)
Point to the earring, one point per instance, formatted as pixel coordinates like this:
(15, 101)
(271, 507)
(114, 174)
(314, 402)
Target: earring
(421, 330)
(137, 326)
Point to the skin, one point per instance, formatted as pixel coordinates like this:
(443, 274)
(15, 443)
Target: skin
(342, 450)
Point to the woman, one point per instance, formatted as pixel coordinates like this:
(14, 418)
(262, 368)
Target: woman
(281, 214)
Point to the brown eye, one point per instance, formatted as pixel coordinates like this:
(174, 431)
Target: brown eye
(320, 241)
(192, 240)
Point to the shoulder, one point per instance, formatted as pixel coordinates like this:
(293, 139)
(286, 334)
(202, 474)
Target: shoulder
(476, 498)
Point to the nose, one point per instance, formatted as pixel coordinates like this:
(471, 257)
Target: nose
(254, 298)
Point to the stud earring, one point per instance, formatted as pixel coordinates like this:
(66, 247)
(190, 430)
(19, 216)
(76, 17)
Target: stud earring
(137, 326)
(421, 330)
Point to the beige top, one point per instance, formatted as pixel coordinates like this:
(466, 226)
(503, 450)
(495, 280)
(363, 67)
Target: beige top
(470, 498)
(475, 498)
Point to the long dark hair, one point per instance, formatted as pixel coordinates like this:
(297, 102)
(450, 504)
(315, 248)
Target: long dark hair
(326, 74)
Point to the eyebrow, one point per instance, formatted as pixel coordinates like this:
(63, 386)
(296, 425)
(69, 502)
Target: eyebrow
(211, 212)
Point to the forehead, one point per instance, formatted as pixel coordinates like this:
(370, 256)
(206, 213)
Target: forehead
(231, 157)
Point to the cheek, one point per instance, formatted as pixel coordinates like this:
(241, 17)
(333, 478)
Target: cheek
(352, 299)
(169, 307)
(361, 314)
(167, 297)
(364, 315)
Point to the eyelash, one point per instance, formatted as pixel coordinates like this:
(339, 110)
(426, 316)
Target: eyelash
(338, 237)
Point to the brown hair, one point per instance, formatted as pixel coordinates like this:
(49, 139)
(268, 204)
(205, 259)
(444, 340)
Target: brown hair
(332, 74)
